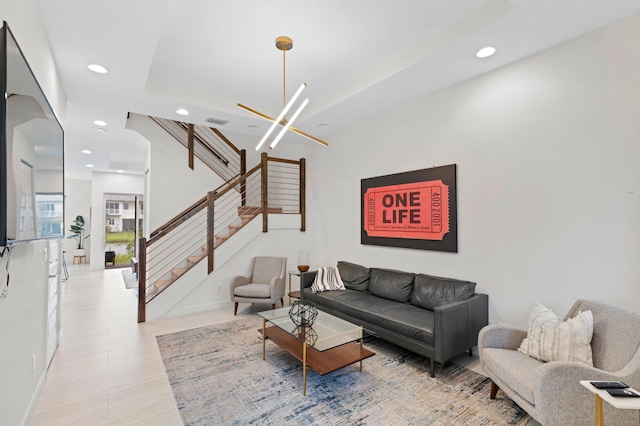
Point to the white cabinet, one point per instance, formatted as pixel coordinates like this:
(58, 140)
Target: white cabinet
(53, 301)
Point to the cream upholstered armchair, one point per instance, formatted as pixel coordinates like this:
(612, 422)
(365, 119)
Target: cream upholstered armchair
(550, 391)
(265, 283)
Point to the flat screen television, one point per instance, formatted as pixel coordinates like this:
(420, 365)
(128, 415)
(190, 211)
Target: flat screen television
(31, 153)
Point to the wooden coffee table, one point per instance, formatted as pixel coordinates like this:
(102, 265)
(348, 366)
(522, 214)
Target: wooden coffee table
(330, 344)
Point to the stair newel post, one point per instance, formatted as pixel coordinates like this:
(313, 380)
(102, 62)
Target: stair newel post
(243, 181)
(264, 163)
(142, 279)
(190, 144)
(303, 194)
(211, 198)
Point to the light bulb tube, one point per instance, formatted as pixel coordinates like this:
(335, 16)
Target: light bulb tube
(282, 114)
(289, 123)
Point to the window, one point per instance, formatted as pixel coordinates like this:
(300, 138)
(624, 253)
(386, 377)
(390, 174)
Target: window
(111, 222)
(125, 206)
(113, 208)
(46, 209)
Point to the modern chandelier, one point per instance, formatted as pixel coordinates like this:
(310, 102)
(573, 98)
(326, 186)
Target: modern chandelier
(284, 43)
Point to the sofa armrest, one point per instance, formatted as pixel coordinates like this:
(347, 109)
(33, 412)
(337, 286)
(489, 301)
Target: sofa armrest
(500, 336)
(307, 278)
(557, 386)
(457, 324)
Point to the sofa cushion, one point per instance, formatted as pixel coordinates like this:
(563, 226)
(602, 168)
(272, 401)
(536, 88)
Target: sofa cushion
(430, 292)
(354, 276)
(515, 369)
(551, 339)
(253, 290)
(390, 284)
(404, 319)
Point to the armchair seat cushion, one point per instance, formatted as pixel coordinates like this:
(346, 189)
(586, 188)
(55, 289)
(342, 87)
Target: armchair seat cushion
(515, 368)
(253, 290)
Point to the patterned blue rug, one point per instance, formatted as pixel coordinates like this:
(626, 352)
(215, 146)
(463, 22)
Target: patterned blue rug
(218, 377)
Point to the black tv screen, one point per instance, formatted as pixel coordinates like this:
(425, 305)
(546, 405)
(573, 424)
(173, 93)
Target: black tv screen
(31, 153)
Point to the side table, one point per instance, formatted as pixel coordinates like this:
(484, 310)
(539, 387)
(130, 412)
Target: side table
(294, 294)
(621, 403)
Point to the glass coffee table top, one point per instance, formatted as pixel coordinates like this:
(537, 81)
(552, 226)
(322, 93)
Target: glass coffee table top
(331, 331)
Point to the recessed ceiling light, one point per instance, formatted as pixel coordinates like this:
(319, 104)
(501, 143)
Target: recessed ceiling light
(90, 165)
(323, 125)
(103, 131)
(120, 171)
(98, 69)
(252, 126)
(85, 151)
(182, 111)
(485, 52)
(100, 123)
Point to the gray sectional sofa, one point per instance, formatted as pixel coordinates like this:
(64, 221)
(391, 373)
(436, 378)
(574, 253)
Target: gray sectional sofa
(438, 318)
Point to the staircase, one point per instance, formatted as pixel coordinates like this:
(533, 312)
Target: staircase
(275, 186)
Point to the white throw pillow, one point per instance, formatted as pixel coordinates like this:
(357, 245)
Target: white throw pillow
(551, 339)
(327, 279)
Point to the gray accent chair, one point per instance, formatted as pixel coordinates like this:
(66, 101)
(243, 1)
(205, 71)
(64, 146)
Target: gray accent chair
(550, 391)
(264, 284)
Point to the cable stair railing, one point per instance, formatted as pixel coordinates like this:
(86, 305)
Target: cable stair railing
(209, 145)
(275, 186)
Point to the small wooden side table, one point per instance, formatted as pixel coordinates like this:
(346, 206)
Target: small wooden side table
(294, 294)
(80, 259)
(621, 403)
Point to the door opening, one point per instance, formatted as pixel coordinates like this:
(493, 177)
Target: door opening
(123, 226)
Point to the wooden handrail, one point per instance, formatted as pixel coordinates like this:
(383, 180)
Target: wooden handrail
(205, 144)
(228, 186)
(282, 160)
(225, 140)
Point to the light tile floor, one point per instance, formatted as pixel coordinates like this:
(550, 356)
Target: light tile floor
(107, 369)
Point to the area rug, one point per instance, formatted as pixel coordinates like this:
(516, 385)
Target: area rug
(218, 377)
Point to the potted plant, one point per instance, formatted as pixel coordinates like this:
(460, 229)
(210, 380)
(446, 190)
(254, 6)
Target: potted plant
(77, 229)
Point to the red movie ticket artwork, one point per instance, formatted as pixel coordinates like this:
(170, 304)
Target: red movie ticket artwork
(418, 210)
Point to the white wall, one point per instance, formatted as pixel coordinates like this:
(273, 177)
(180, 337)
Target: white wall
(23, 311)
(548, 178)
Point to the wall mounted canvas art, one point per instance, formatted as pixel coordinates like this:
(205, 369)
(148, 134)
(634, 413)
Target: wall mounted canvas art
(414, 209)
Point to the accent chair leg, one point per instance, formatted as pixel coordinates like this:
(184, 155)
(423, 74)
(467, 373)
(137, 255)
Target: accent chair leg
(273, 306)
(282, 301)
(235, 308)
(494, 390)
(470, 351)
(432, 370)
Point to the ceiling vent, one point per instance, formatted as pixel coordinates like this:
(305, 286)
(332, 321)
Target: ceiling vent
(216, 121)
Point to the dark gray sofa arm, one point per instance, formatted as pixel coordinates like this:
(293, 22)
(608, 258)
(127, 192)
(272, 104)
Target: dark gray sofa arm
(457, 324)
(306, 279)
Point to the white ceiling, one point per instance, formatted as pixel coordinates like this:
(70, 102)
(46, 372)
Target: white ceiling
(358, 57)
